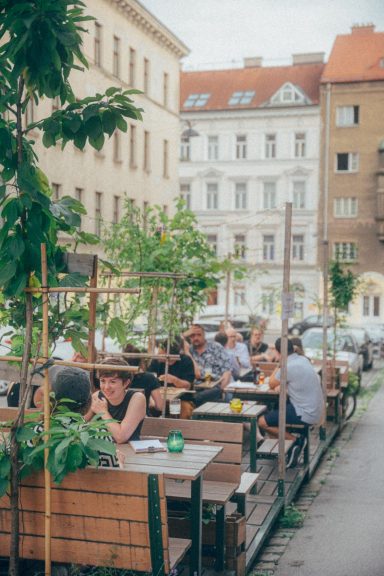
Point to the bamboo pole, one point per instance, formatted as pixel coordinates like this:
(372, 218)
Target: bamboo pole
(92, 318)
(147, 275)
(169, 338)
(284, 346)
(139, 355)
(105, 321)
(84, 365)
(85, 290)
(227, 294)
(47, 475)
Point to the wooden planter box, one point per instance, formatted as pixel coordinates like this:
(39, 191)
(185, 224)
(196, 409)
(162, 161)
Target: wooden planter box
(235, 530)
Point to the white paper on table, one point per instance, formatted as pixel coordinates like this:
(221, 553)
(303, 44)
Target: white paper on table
(239, 384)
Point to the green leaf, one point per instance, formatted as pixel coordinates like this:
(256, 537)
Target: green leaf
(7, 272)
(16, 246)
(112, 90)
(3, 486)
(88, 238)
(102, 446)
(109, 122)
(121, 123)
(97, 143)
(5, 466)
(24, 434)
(117, 329)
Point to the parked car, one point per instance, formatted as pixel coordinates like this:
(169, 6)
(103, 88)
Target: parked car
(365, 344)
(313, 321)
(347, 348)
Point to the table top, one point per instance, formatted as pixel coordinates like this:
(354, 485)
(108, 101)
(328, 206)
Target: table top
(186, 465)
(249, 409)
(173, 393)
(207, 385)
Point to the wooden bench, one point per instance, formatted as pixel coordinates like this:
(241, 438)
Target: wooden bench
(104, 517)
(223, 478)
(269, 448)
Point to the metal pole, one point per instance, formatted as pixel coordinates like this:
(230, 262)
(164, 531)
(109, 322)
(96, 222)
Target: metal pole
(284, 345)
(325, 255)
(227, 294)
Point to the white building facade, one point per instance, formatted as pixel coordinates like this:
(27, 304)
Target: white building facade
(248, 159)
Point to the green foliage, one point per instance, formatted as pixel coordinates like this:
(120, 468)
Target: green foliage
(343, 284)
(40, 45)
(152, 241)
(292, 518)
(72, 444)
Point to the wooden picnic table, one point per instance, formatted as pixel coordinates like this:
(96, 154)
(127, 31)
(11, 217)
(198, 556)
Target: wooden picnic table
(206, 385)
(187, 465)
(222, 411)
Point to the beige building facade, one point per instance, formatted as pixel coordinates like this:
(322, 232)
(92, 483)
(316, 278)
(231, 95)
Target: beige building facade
(351, 212)
(127, 47)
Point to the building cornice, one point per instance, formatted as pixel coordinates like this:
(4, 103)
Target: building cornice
(254, 113)
(149, 24)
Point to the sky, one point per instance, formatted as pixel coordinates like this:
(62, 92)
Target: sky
(220, 33)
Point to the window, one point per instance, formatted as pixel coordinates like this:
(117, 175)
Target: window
(298, 247)
(56, 103)
(147, 151)
(347, 116)
(241, 98)
(98, 217)
(269, 195)
(299, 194)
(117, 147)
(268, 302)
(56, 189)
(132, 67)
(345, 207)
(132, 146)
(241, 147)
(213, 147)
(241, 196)
(196, 100)
(116, 56)
(239, 246)
(300, 145)
(347, 162)
(212, 241)
(185, 194)
(212, 196)
(79, 194)
(116, 209)
(165, 159)
(268, 247)
(97, 44)
(165, 89)
(371, 306)
(290, 94)
(239, 296)
(146, 75)
(270, 145)
(185, 149)
(345, 251)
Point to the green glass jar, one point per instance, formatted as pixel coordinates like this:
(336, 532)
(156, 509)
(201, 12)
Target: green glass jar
(175, 441)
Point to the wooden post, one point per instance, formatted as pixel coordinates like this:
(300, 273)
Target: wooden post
(47, 475)
(284, 345)
(92, 317)
(227, 294)
(153, 320)
(169, 338)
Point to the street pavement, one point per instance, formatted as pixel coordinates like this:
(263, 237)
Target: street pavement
(343, 530)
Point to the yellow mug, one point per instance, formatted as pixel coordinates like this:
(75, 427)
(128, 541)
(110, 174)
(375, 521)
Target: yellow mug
(236, 405)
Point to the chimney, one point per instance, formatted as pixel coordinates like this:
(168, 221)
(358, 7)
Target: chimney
(308, 58)
(253, 62)
(363, 28)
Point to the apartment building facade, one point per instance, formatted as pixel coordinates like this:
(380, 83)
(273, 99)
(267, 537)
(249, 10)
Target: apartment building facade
(249, 144)
(127, 47)
(351, 214)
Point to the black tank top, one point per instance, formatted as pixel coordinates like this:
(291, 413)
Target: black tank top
(118, 413)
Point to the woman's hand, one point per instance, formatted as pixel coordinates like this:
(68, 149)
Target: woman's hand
(99, 405)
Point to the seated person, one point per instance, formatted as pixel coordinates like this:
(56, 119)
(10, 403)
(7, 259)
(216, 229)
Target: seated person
(70, 383)
(146, 381)
(238, 351)
(222, 338)
(258, 350)
(181, 373)
(305, 401)
(115, 401)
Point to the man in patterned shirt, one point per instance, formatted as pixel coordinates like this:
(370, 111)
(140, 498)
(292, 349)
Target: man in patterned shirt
(212, 359)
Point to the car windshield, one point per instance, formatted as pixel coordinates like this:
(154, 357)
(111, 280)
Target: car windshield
(314, 340)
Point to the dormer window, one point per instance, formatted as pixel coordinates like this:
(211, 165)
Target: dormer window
(238, 98)
(289, 94)
(196, 100)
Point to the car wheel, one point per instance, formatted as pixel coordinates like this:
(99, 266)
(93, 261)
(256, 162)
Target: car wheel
(3, 387)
